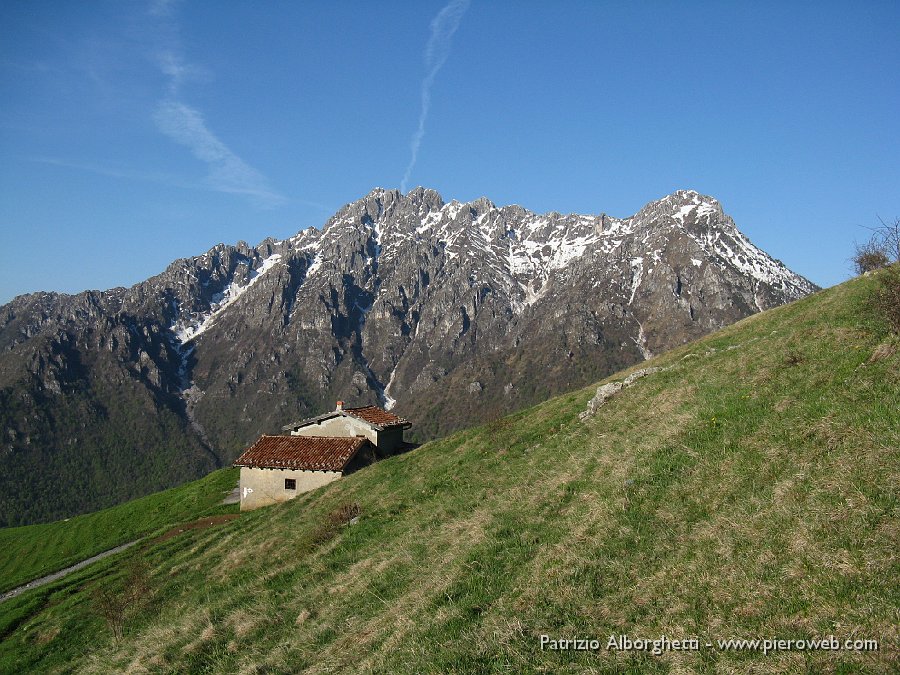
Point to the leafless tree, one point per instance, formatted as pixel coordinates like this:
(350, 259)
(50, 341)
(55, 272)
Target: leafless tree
(889, 234)
(882, 249)
(115, 605)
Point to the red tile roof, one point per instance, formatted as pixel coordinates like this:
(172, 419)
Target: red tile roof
(309, 453)
(377, 416)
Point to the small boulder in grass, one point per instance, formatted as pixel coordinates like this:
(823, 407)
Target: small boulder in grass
(610, 389)
(604, 393)
(638, 374)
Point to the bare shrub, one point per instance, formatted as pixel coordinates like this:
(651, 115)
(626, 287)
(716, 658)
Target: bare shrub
(342, 516)
(889, 235)
(345, 514)
(118, 604)
(882, 252)
(868, 258)
(886, 300)
(882, 249)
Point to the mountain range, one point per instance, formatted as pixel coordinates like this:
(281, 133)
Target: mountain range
(450, 314)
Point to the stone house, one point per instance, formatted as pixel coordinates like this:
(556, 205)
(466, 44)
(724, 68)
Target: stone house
(318, 451)
(383, 429)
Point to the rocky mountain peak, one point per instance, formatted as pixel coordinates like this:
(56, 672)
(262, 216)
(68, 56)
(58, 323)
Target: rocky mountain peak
(483, 205)
(421, 195)
(682, 207)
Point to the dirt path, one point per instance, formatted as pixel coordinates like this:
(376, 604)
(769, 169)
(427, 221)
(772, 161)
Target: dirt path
(63, 572)
(202, 523)
(234, 497)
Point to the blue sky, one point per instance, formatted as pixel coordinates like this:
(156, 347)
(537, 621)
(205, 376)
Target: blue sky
(134, 133)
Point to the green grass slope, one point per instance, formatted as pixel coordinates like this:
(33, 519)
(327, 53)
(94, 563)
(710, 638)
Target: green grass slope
(32, 551)
(750, 491)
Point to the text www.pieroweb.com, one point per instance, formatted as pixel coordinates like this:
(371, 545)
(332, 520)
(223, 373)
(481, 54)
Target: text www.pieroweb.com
(657, 646)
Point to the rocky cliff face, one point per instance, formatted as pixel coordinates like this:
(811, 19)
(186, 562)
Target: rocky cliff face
(449, 313)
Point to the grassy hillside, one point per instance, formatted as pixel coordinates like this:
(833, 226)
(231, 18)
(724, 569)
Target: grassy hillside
(33, 551)
(750, 491)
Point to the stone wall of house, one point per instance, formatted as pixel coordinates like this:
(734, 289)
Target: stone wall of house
(388, 441)
(260, 487)
(338, 426)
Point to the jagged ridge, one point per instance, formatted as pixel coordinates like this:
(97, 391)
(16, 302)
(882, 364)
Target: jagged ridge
(450, 312)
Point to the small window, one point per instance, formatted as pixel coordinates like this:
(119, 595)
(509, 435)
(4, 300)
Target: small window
(290, 483)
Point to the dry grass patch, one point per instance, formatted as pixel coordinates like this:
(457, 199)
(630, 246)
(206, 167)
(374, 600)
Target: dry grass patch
(207, 634)
(47, 634)
(829, 431)
(155, 664)
(783, 404)
(233, 560)
(445, 561)
(143, 651)
(245, 621)
(353, 583)
(883, 351)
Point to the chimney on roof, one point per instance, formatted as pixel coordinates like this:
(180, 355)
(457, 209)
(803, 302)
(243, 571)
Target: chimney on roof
(340, 405)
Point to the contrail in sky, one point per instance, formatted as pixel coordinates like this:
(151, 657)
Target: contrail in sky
(443, 26)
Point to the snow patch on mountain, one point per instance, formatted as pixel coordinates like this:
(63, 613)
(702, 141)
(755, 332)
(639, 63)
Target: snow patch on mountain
(314, 267)
(186, 331)
(389, 401)
(520, 254)
(637, 274)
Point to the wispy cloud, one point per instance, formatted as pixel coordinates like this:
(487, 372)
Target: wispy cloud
(178, 72)
(227, 172)
(443, 26)
(113, 171)
(187, 126)
(162, 7)
(128, 173)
